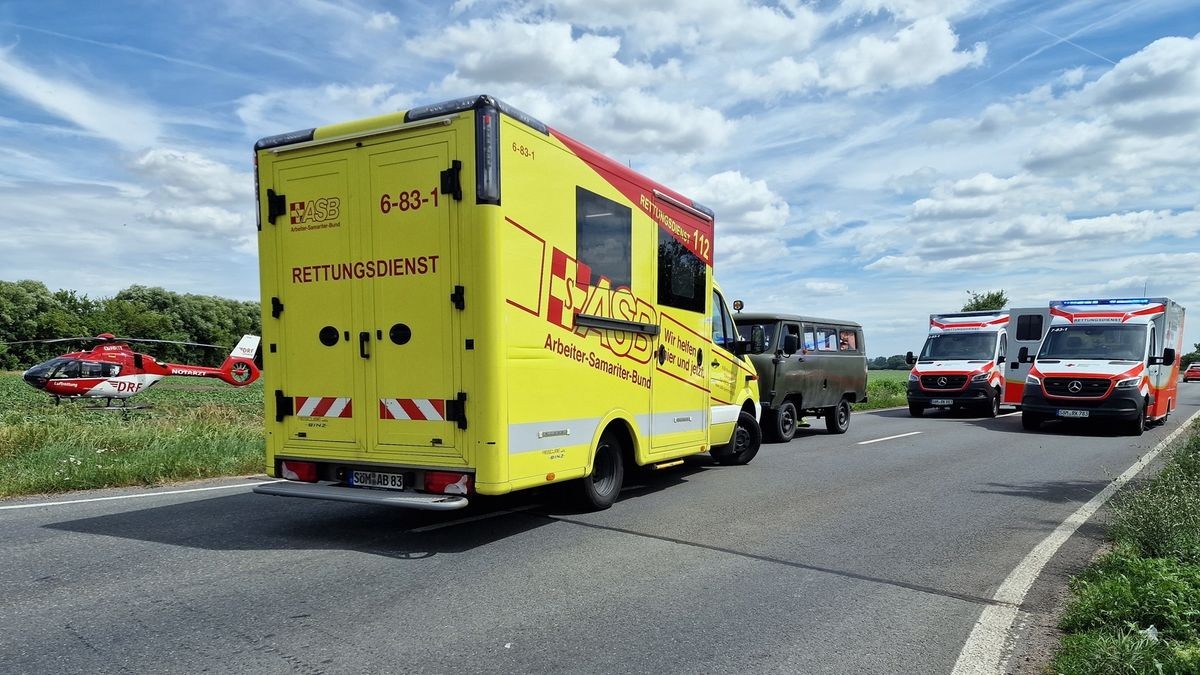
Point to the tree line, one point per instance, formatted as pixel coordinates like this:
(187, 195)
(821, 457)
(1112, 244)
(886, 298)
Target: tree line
(31, 311)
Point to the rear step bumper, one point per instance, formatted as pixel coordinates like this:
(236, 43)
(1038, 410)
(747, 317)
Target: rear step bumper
(404, 500)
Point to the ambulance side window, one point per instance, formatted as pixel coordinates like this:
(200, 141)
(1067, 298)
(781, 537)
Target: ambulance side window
(723, 334)
(1003, 355)
(1029, 327)
(603, 238)
(681, 275)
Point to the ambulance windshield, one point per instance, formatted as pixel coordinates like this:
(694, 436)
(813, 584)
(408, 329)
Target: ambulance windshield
(1113, 342)
(971, 346)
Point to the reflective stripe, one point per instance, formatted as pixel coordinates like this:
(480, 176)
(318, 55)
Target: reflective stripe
(324, 406)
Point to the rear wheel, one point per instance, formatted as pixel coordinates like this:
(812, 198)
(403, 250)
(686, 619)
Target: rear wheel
(747, 438)
(837, 418)
(915, 410)
(1030, 421)
(784, 427)
(599, 490)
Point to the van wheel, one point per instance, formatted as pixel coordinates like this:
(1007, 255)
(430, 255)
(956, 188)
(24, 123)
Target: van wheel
(1136, 427)
(915, 410)
(599, 490)
(784, 427)
(1030, 421)
(742, 448)
(837, 418)
(993, 404)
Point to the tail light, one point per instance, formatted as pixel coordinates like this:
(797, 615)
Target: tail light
(301, 471)
(449, 483)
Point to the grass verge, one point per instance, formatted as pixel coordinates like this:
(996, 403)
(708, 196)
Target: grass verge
(1137, 610)
(885, 389)
(196, 429)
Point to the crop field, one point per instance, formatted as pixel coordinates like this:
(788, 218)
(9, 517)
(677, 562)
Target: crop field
(196, 429)
(885, 389)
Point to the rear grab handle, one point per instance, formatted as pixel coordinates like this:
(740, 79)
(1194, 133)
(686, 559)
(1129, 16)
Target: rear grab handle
(363, 338)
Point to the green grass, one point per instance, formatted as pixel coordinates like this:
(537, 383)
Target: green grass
(196, 429)
(1151, 578)
(885, 389)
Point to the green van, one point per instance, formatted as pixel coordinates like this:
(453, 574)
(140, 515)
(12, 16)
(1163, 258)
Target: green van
(807, 366)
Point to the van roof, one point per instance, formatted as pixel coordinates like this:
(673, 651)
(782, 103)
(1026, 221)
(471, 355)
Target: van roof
(767, 316)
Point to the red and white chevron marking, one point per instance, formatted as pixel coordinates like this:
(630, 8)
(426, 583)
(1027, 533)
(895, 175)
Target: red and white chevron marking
(420, 409)
(323, 406)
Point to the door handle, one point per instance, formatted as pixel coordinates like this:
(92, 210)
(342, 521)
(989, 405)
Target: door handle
(662, 355)
(699, 356)
(363, 338)
(715, 364)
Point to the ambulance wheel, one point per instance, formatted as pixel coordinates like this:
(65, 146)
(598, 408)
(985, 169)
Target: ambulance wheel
(747, 437)
(837, 418)
(915, 410)
(783, 427)
(1136, 427)
(1030, 421)
(993, 404)
(599, 490)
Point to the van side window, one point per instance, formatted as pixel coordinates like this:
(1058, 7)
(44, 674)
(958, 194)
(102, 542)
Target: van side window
(1029, 327)
(681, 275)
(810, 339)
(847, 340)
(826, 339)
(604, 238)
(1003, 355)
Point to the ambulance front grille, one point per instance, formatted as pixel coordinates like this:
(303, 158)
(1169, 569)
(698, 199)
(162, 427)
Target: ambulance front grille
(1086, 387)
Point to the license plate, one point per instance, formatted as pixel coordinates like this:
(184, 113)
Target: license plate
(1072, 413)
(376, 479)
(942, 401)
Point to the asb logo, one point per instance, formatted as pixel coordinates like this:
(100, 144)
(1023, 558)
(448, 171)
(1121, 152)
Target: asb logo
(315, 210)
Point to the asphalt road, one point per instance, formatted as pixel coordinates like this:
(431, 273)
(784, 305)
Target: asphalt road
(824, 555)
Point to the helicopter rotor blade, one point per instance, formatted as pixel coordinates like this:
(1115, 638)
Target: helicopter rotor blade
(171, 342)
(47, 341)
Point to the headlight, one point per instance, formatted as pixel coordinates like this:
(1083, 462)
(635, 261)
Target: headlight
(912, 377)
(1128, 383)
(1032, 381)
(981, 377)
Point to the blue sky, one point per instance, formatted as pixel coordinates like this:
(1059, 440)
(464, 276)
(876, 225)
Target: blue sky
(867, 159)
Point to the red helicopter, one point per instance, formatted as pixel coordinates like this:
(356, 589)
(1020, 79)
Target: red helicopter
(111, 370)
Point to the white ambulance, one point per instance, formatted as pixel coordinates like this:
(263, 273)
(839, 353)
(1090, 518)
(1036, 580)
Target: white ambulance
(964, 363)
(1108, 359)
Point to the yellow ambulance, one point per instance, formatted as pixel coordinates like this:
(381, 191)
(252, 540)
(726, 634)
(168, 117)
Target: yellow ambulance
(459, 300)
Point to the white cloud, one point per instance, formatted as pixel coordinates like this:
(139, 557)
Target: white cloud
(382, 21)
(128, 124)
(916, 55)
(508, 51)
(282, 110)
(191, 176)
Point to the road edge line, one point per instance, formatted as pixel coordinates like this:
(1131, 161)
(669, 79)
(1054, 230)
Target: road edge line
(983, 652)
(140, 495)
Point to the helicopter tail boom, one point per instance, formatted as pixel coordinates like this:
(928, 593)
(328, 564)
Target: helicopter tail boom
(238, 369)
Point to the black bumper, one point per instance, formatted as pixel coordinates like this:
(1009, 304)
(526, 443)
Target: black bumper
(976, 394)
(1119, 405)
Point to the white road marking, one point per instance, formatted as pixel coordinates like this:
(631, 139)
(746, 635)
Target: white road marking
(136, 496)
(471, 519)
(1009, 414)
(984, 650)
(889, 438)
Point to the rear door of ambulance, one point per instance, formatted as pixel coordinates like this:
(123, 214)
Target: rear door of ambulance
(368, 327)
(1026, 328)
(316, 318)
(412, 318)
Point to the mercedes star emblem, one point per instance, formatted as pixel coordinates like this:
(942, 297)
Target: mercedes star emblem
(941, 381)
(1075, 386)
